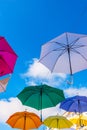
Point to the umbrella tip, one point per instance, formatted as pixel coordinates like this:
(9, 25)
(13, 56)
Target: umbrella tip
(69, 82)
(25, 109)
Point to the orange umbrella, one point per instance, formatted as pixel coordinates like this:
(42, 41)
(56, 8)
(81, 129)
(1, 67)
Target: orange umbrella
(24, 120)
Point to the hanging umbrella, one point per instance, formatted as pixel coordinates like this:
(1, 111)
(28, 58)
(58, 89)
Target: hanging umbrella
(59, 122)
(75, 104)
(80, 121)
(40, 97)
(3, 84)
(7, 57)
(24, 120)
(66, 53)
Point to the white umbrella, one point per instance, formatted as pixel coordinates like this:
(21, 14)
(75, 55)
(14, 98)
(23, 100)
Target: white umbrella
(66, 53)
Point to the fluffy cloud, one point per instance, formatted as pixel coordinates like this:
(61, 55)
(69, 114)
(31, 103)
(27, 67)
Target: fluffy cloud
(75, 91)
(9, 107)
(38, 73)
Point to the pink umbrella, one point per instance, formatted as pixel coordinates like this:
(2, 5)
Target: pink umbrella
(7, 57)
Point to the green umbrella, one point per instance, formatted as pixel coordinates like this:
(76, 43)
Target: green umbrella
(40, 97)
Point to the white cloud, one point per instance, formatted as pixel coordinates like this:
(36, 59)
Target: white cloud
(37, 72)
(75, 91)
(36, 69)
(9, 107)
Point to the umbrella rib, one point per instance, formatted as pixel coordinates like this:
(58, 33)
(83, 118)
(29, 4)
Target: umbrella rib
(58, 49)
(60, 44)
(64, 51)
(50, 97)
(24, 102)
(79, 54)
(8, 52)
(24, 93)
(51, 52)
(52, 119)
(77, 46)
(73, 42)
(33, 121)
(70, 124)
(69, 105)
(16, 120)
(7, 64)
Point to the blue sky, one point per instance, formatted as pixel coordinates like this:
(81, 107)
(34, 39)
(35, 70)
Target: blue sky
(27, 25)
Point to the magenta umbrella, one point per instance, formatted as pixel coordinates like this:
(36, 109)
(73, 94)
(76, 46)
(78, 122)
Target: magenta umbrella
(7, 57)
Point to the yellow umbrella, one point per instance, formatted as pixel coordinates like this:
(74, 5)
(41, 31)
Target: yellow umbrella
(59, 122)
(79, 120)
(24, 120)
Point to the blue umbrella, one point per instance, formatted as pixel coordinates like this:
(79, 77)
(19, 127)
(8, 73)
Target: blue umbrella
(75, 104)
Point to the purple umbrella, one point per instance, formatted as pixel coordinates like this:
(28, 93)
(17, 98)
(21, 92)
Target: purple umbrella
(66, 53)
(75, 104)
(7, 57)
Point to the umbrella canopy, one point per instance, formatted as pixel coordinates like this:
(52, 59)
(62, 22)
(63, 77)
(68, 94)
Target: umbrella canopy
(40, 97)
(24, 120)
(59, 122)
(66, 53)
(7, 57)
(79, 120)
(3, 84)
(75, 104)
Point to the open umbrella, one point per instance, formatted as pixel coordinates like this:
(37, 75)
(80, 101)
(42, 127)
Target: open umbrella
(59, 122)
(80, 121)
(66, 53)
(75, 104)
(24, 120)
(7, 57)
(40, 97)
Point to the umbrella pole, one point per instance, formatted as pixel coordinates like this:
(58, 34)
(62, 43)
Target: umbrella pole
(41, 114)
(79, 112)
(71, 79)
(41, 103)
(24, 122)
(68, 49)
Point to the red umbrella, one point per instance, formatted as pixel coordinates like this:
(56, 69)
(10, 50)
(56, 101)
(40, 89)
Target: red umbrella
(7, 57)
